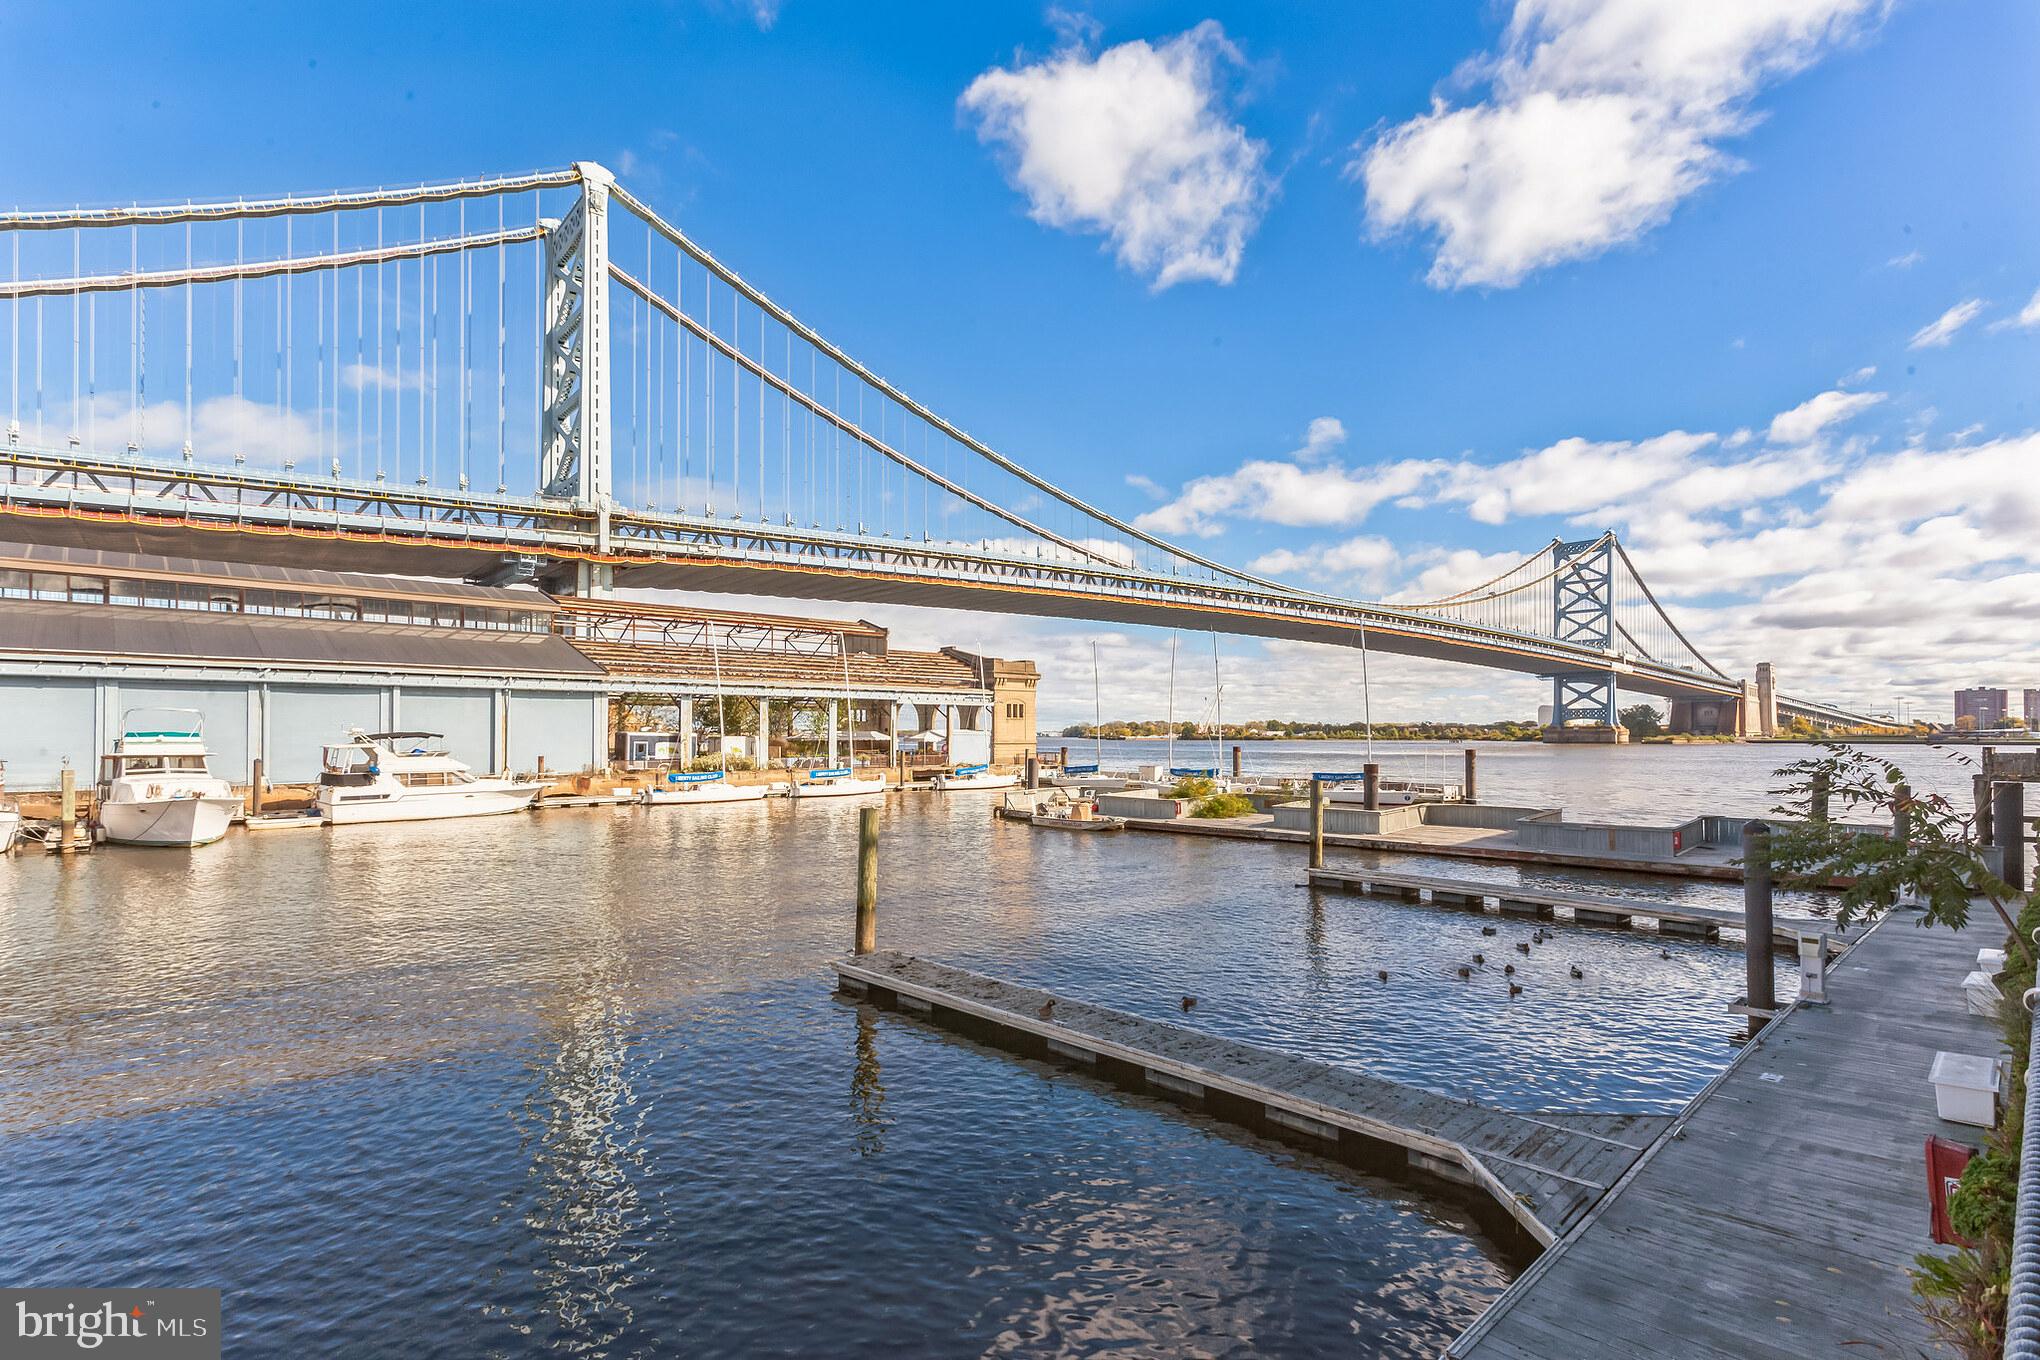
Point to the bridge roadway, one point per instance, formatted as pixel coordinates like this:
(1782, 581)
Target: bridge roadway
(187, 509)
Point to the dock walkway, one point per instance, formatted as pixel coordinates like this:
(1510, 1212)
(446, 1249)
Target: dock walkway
(1673, 918)
(1545, 1169)
(1777, 1218)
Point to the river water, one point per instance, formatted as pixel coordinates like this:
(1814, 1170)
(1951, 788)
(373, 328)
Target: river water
(576, 1083)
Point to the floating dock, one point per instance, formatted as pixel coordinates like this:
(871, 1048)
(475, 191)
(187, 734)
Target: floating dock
(1540, 904)
(1544, 1170)
(1778, 1216)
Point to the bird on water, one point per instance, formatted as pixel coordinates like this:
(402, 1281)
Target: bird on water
(1479, 958)
(1047, 1008)
(1515, 989)
(1487, 930)
(1508, 970)
(1522, 946)
(1381, 973)
(1576, 971)
(1189, 1002)
(1464, 972)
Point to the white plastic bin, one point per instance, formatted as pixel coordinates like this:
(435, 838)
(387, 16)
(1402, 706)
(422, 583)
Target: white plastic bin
(1990, 961)
(1965, 1088)
(1981, 992)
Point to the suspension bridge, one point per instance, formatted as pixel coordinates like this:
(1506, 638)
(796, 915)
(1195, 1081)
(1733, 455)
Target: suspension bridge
(539, 377)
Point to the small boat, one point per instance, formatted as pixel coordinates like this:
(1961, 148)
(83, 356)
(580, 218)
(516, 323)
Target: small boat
(10, 815)
(682, 790)
(839, 783)
(1397, 792)
(304, 819)
(394, 777)
(1081, 818)
(1050, 807)
(156, 788)
(972, 777)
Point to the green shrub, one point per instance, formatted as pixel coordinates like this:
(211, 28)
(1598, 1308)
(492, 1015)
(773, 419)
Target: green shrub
(1224, 805)
(703, 764)
(1193, 786)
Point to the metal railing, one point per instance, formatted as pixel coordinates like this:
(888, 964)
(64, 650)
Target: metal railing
(2022, 1305)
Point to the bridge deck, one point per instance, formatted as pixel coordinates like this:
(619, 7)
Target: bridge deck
(1779, 1217)
(1545, 1169)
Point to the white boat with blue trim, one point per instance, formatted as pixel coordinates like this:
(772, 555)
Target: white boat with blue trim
(156, 787)
(407, 777)
(842, 782)
(680, 789)
(965, 777)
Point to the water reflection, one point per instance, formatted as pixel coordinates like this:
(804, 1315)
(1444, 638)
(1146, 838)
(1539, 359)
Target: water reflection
(867, 1088)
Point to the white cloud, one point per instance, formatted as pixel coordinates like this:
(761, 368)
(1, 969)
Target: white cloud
(1135, 142)
(2028, 316)
(1600, 116)
(1303, 488)
(1941, 331)
(1147, 486)
(1859, 376)
(1361, 561)
(368, 377)
(1905, 261)
(1806, 420)
(1572, 475)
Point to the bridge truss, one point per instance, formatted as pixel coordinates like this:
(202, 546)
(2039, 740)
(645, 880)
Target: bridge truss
(540, 370)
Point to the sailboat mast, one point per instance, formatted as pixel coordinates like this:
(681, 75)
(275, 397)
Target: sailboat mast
(1217, 711)
(1097, 712)
(722, 722)
(1172, 698)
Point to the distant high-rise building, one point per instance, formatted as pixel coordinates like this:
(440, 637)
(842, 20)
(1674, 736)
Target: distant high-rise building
(2032, 708)
(1986, 707)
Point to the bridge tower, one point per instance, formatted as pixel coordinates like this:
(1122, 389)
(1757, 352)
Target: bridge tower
(1583, 613)
(574, 420)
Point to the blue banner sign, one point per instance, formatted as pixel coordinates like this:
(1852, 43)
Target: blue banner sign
(972, 769)
(677, 778)
(1185, 772)
(843, 773)
(1336, 778)
(1080, 769)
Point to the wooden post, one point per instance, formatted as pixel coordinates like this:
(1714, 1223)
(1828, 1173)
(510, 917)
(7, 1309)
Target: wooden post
(255, 787)
(1317, 823)
(1371, 777)
(2008, 819)
(67, 808)
(1235, 762)
(1033, 772)
(867, 880)
(1758, 989)
(541, 767)
(1979, 791)
(1063, 763)
(1818, 798)
(1901, 815)
(1471, 784)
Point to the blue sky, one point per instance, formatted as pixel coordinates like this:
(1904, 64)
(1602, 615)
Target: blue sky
(1668, 225)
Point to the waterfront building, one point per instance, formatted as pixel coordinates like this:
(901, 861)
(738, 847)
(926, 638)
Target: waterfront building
(281, 660)
(2030, 707)
(1986, 707)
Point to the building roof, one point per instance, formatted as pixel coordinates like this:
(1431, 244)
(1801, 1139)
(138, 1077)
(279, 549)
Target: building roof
(129, 633)
(97, 561)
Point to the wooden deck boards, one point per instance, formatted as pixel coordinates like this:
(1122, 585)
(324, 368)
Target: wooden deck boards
(1779, 1216)
(1786, 929)
(1546, 1169)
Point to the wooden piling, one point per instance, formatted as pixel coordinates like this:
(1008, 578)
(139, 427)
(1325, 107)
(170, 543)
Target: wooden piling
(867, 880)
(1818, 798)
(1979, 792)
(1235, 762)
(1033, 773)
(67, 809)
(1471, 784)
(1317, 823)
(1371, 773)
(1759, 993)
(2008, 819)
(1901, 814)
(255, 787)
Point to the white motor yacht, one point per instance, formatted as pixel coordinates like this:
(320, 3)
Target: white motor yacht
(686, 790)
(1397, 792)
(972, 777)
(405, 777)
(838, 783)
(156, 788)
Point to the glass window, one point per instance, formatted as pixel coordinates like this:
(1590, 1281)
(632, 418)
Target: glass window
(50, 586)
(88, 590)
(396, 611)
(444, 615)
(124, 590)
(13, 584)
(192, 595)
(159, 594)
(142, 765)
(259, 601)
(224, 600)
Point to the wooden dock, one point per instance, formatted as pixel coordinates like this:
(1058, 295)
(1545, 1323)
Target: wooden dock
(1778, 1217)
(1545, 1170)
(1672, 918)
